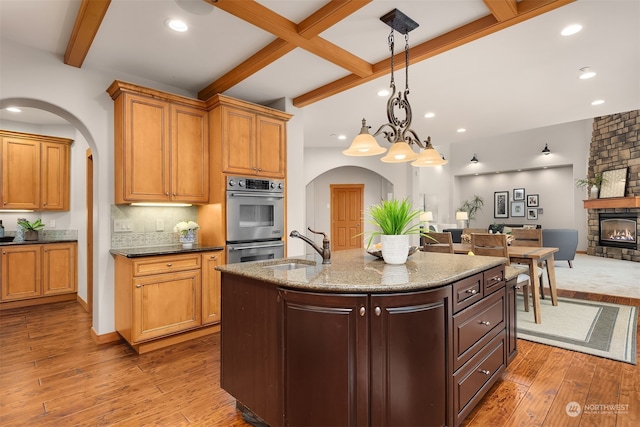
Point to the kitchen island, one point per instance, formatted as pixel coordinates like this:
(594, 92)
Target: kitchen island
(360, 342)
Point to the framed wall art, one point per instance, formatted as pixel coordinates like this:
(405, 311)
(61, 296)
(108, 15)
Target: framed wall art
(518, 194)
(517, 209)
(614, 183)
(532, 213)
(500, 204)
(533, 201)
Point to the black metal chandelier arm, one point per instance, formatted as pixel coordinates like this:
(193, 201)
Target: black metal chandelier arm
(390, 135)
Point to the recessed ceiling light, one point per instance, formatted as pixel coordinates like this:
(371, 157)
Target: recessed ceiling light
(383, 92)
(177, 25)
(342, 136)
(461, 130)
(598, 102)
(586, 73)
(570, 30)
(429, 115)
(14, 109)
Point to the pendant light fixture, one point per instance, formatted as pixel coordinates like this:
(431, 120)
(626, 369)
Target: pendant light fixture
(546, 150)
(397, 131)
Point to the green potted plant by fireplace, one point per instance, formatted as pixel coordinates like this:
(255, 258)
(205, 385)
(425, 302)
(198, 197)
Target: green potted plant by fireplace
(396, 220)
(31, 229)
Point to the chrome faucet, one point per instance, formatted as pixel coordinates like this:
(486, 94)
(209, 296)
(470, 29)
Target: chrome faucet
(325, 251)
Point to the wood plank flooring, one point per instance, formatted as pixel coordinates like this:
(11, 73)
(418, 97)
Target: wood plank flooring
(52, 374)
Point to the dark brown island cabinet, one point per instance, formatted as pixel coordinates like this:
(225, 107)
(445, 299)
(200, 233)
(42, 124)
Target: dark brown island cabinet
(419, 357)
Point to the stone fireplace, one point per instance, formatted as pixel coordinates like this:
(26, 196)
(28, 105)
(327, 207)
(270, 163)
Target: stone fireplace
(613, 226)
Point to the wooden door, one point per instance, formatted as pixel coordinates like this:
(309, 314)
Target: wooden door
(20, 173)
(59, 268)
(410, 362)
(145, 151)
(21, 274)
(347, 204)
(164, 304)
(270, 147)
(211, 287)
(55, 176)
(189, 154)
(238, 141)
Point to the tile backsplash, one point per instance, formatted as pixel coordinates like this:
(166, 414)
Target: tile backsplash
(147, 225)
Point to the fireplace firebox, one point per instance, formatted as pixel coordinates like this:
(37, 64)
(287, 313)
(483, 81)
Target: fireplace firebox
(619, 230)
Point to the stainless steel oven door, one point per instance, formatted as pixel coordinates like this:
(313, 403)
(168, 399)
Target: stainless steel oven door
(254, 216)
(254, 251)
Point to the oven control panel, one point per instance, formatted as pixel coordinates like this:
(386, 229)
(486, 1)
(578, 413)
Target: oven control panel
(239, 183)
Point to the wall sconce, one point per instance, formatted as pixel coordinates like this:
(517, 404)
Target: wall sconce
(474, 159)
(546, 150)
(462, 216)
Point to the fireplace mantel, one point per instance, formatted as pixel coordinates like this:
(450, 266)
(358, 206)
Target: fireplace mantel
(612, 203)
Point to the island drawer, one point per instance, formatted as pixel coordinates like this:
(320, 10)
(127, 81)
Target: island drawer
(476, 325)
(478, 374)
(166, 264)
(493, 279)
(467, 291)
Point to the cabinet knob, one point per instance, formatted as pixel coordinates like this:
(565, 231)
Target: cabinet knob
(166, 194)
(472, 291)
(5, 203)
(214, 257)
(138, 286)
(174, 194)
(484, 322)
(377, 311)
(169, 264)
(484, 371)
(363, 311)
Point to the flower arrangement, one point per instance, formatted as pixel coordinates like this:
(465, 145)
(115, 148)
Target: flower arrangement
(183, 227)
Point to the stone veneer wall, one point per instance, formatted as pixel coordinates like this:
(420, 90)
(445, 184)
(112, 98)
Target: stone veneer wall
(615, 143)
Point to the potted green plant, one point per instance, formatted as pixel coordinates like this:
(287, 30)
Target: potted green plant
(31, 228)
(472, 207)
(592, 184)
(396, 220)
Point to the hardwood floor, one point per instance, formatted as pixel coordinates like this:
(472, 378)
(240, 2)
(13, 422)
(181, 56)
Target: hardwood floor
(52, 374)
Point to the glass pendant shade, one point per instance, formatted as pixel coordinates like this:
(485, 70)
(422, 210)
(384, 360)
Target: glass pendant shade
(429, 157)
(364, 144)
(400, 152)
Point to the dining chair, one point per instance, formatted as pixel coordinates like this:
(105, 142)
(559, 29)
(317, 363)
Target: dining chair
(486, 244)
(442, 243)
(531, 237)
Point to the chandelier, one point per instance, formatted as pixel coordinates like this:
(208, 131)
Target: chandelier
(396, 131)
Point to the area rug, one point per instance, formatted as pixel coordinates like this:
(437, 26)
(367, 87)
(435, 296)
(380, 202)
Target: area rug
(593, 327)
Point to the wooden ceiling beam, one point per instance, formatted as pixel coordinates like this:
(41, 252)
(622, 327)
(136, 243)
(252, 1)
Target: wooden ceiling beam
(503, 10)
(88, 20)
(264, 18)
(479, 28)
(329, 15)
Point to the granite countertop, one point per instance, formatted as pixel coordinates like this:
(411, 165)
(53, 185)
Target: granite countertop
(357, 271)
(162, 250)
(37, 242)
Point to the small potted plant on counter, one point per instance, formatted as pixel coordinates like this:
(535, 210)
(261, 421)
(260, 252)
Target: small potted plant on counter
(396, 220)
(31, 228)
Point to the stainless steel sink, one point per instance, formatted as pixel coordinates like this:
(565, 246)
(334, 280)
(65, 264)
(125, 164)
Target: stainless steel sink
(288, 266)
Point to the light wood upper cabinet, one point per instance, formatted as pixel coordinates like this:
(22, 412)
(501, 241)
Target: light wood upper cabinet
(161, 146)
(251, 139)
(35, 171)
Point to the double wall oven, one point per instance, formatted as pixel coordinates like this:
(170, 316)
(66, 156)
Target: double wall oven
(255, 219)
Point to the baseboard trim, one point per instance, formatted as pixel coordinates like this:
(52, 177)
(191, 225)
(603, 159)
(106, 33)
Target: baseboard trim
(83, 304)
(104, 338)
(175, 339)
(6, 305)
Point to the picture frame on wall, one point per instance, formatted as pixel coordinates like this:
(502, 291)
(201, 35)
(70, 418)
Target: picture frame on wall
(532, 213)
(533, 201)
(614, 183)
(501, 204)
(518, 194)
(517, 209)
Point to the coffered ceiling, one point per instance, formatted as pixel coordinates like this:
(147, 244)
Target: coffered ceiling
(490, 66)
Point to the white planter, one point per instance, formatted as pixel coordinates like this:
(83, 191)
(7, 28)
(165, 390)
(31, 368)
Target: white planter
(395, 248)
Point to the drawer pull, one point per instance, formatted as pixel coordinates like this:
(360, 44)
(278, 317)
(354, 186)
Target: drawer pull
(138, 286)
(378, 311)
(484, 322)
(484, 371)
(169, 264)
(472, 291)
(363, 311)
(214, 257)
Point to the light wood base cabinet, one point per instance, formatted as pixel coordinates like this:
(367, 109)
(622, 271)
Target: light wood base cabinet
(34, 272)
(162, 300)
